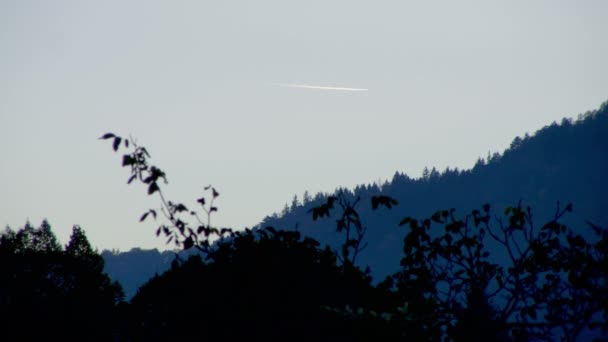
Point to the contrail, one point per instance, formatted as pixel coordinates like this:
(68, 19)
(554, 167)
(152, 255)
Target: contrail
(305, 86)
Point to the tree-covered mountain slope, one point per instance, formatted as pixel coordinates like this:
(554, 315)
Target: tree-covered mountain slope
(565, 162)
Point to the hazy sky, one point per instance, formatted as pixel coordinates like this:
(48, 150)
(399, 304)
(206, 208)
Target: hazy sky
(201, 84)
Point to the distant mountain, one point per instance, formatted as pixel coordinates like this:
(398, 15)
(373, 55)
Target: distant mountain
(133, 268)
(566, 162)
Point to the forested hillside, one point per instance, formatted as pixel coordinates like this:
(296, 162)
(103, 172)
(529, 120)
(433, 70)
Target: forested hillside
(565, 162)
(457, 255)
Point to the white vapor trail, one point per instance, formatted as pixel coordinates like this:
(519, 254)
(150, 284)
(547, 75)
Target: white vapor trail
(305, 86)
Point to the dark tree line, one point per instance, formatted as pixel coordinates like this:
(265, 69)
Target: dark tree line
(264, 285)
(48, 292)
(276, 285)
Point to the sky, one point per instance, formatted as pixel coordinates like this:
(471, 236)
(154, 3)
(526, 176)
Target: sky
(267, 99)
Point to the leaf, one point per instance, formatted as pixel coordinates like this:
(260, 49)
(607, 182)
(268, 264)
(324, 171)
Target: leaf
(386, 201)
(201, 201)
(153, 188)
(212, 209)
(323, 209)
(143, 217)
(116, 143)
(127, 143)
(131, 179)
(107, 136)
(127, 160)
(180, 207)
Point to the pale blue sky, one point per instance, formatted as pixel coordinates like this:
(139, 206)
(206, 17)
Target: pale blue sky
(194, 81)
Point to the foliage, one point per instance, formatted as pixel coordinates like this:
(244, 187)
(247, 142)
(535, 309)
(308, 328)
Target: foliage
(349, 221)
(178, 230)
(475, 281)
(65, 289)
(262, 285)
(559, 162)
(478, 278)
(270, 284)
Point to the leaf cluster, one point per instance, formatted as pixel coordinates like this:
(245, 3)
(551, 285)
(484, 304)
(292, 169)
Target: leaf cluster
(477, 277)
(184, 227)
(500, 280)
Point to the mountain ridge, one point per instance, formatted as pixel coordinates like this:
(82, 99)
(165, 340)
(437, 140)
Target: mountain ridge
(563, 162)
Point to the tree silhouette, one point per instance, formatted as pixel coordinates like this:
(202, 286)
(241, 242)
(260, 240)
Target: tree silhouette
(266, 284)
(262, 285)
(349, 222)
(478, 278)
(535, 284)
(64, 291)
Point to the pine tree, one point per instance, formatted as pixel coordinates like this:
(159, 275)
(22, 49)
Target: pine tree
(294, 202)
(306, 198)
(80, 249)
(426, 173)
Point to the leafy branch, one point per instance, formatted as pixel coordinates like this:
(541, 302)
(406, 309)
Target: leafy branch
(178, 229)
(549, 281)
(349, 222)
